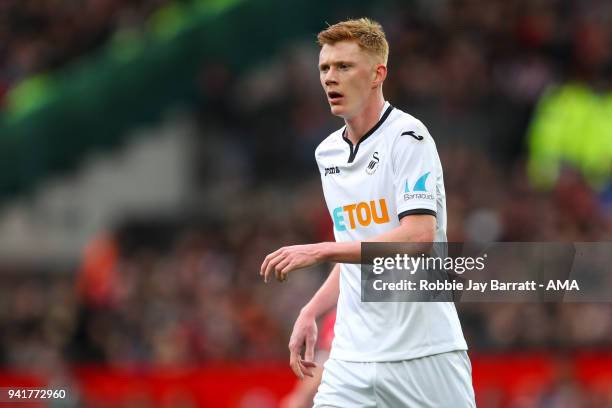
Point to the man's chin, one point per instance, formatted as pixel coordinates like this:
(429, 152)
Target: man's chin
(337, 110)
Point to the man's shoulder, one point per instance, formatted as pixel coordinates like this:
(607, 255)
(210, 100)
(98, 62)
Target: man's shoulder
(330, 142)
(405, 126)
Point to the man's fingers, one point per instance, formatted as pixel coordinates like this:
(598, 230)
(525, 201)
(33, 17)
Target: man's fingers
(284, 271)
(304, 334)
(310, 344)
(267, 260)
(307, 371)
(309, 364)
(294, 362)
(271, 269)
(264, 264)
(271, 266)
(279, 267)
(308, 367)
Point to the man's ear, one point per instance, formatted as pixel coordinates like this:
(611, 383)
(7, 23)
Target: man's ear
(380, 74)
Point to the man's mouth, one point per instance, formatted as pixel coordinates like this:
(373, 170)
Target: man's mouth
(334, 97)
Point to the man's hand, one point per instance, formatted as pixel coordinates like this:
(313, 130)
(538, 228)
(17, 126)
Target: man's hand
(287, 259)
(304, 334)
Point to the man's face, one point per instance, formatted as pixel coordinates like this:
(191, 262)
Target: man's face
(347, 75)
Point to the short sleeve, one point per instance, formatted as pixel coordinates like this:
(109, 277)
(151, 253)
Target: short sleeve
(416, 169)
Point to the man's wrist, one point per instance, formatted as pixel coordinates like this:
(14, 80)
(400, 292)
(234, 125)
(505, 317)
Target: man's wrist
(347, 252)
(325, 252)
(308, 311)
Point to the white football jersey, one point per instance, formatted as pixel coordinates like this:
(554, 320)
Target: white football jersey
(393, 171)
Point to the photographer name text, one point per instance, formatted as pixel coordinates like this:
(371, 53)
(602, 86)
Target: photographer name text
(474, 286)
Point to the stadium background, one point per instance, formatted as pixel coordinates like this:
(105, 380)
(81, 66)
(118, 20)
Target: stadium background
(153, 151)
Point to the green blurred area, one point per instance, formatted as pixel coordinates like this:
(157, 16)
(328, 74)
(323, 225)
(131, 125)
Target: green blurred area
(571, 125)
(162, 27)
(52, 120)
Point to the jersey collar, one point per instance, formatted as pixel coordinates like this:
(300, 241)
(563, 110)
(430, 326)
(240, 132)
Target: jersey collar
(353, 149)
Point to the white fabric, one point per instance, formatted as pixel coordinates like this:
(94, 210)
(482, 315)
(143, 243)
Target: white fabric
(391, 173)
(438, 381)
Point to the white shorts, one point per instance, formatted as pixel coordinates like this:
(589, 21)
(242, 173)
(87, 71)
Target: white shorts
(438, 381)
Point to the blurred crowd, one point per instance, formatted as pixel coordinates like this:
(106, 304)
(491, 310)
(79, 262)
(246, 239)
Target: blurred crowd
(472, 71)
(464, 50)
(192, 294)
(41, 36)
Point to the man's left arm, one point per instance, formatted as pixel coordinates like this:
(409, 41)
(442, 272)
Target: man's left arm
(417, 228)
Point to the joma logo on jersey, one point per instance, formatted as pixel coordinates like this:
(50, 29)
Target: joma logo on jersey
(332, 170)
(362, 213)
(419, 190)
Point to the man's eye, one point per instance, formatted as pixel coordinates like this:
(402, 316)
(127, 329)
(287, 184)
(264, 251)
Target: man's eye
(324, 69)
(344, 66)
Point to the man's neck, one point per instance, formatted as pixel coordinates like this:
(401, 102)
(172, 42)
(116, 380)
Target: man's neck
(360, 124)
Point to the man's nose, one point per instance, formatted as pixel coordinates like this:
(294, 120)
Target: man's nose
(330, 81)
(330, 77)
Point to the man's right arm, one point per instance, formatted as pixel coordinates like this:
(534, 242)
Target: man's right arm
(326, 297)
(305, 328)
